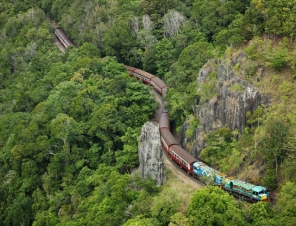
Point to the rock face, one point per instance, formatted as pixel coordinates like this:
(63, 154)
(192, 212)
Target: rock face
(234, 98)
(150, 153)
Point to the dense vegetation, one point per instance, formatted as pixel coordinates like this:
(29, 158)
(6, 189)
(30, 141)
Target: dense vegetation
(69, 121)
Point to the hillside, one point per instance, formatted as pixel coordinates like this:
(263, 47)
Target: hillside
(69, 122)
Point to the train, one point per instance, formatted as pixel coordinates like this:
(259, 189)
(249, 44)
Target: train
(194, 167)
(60, 34)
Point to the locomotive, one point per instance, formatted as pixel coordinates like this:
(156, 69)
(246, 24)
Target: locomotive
(198, 169)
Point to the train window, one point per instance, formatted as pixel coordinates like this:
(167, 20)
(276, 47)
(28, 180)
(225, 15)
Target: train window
(263, 191)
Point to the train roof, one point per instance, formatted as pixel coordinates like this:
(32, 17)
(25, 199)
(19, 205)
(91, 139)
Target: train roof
(183, 154)
(168, 137)
(129, 68)
(164, 120)
(244, 184)
(63, 37)
(258, 188)
(158, 82)
(61, 33)
(164, 111)
(144, 73)
(208, 169)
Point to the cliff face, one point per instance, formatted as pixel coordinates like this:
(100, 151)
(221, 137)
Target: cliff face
(150, 153)
(234, 98)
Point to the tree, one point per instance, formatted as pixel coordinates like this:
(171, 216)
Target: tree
(118, 40)
(191, 59)
(272, 142)
(178, 219)
(213, 16)
(163, 209)
(128, 158)
(165, 55)
(286, 203)
(260, 213)
(64, 128)
(173, 22)
(139, 221)
(213, 206)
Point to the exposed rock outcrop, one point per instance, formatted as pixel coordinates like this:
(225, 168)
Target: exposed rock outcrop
(150, 153)
(234, 98)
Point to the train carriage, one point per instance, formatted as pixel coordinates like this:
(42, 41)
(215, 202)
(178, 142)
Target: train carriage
(158, 85)
(182, 157)
(130, 70)
(63, 37)
(208, 174)
(144, 76)
(167, 139)
(164, 121)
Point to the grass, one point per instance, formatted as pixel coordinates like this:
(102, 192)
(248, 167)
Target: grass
(184, 191)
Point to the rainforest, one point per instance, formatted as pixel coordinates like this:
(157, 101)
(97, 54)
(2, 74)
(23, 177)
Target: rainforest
(70, 121)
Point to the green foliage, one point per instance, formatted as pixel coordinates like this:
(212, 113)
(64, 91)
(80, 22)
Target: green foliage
(250, 68)
(72, 111)
(255, 48)
(272, 146)
(207, 90)
(163, 209)
(271, 17)
(193, 124)
(140, 222)
(285, 87)
(213, 206)
(260, 212)
(234, 35)
(64, 114)
(276, 57)
(165, 54)
(178, 219)
(193, 58)
(256, 117)
(237, 88)
(214, 16)
(117, 40)
(220, 145)
(286, 202)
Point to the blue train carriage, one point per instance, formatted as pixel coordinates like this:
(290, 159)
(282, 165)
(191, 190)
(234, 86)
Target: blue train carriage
(246, 191)
(208, 175)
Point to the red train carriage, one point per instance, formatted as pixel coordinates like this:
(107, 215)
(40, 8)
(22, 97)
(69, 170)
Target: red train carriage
(130, 70)
(148, 79)
(164, 120)
(167, 139)
(182, 157)
(144, 76)
(158, 85)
